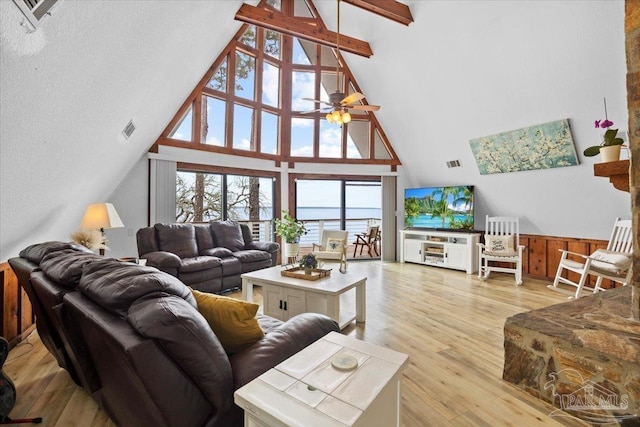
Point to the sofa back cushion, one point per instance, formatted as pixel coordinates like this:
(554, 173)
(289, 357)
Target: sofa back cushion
(246, 235)
(185, 335)
(179, 239)
(204, 238)
(35, 253)
(227, 234)
(115, 285)
(147, 241)
(65, 267)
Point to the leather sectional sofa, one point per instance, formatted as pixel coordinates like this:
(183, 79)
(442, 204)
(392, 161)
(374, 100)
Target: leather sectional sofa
(133, 338)
(208, 257)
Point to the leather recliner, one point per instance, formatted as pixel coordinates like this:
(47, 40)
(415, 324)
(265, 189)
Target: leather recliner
(209, 257)
(142, 349)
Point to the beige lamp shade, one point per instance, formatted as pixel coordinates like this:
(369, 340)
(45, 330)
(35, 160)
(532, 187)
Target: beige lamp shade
(100, 216)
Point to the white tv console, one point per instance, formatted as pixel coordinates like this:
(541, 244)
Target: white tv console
(456, 250)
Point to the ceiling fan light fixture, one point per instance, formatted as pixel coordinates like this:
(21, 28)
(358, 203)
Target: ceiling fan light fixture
(329, 117)
(346, 117)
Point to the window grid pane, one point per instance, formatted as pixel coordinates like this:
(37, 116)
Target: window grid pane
(245, 75)
(243, 128)
(269, 134)
(330, 140)
(303, 85)
(272, 43)
(271, 85)
(213, 125)
(302, 137)
(198, 196)
(182, 131)
(358, 140)
(219, 79)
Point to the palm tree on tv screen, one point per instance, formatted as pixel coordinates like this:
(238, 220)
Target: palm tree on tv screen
(444, 203)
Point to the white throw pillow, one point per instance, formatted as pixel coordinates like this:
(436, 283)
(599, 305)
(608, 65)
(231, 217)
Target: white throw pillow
(334, 245)
(615, 262)
(499, 245)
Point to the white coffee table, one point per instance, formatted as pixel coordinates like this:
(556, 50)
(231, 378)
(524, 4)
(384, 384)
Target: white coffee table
(307, 391)
(284, 297)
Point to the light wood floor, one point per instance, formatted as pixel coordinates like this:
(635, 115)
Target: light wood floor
(450, 324)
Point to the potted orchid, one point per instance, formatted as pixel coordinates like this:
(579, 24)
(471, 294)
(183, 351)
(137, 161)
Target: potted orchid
(611, 143)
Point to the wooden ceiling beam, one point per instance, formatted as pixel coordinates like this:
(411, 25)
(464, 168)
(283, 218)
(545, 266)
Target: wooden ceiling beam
(393, 10)
(301, 28)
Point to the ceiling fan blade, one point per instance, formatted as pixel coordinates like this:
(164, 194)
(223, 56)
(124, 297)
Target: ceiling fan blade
(312, 111)
(354, 97)
(316, 100)
(365, 107)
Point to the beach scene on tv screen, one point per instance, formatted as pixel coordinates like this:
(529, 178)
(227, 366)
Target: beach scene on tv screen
(439, 207)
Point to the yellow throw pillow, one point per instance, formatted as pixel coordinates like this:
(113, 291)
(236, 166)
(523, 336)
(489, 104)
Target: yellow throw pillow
(233, 321)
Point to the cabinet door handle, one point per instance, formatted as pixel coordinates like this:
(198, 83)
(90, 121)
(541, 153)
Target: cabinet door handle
(280, 306)
(285, 306)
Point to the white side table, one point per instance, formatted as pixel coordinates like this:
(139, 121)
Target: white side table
(307, 391)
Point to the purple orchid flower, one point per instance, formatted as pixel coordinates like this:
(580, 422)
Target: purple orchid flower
(606, 124)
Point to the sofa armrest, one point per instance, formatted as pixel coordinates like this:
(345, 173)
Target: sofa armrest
(278, 345)
(270, 247)
(162, 260)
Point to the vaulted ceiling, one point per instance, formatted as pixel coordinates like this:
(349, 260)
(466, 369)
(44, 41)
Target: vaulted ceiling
(460, 70)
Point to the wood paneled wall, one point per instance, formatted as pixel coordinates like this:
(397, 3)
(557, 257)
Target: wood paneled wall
(542, 255)
(17, 320)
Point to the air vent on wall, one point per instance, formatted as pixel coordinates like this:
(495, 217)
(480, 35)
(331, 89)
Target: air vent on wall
(128, 129)
(453, 163)
(35, 10)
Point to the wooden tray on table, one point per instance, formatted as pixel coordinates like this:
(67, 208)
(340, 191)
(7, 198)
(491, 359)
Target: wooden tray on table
(298, 273)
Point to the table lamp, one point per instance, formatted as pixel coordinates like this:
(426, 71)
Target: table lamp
(99, 216)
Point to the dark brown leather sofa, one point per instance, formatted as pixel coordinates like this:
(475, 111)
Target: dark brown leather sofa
(209, 257)
(137, 343)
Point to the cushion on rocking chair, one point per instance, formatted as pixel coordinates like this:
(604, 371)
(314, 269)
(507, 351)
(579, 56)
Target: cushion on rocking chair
(614, 262)
(499, 246)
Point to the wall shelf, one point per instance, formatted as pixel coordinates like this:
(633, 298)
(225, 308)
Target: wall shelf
(618, 173)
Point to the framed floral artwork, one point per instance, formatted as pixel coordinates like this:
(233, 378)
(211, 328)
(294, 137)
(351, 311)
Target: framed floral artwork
(545, 146)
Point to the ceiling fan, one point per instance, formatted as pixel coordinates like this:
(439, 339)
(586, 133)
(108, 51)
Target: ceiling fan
(339, 102)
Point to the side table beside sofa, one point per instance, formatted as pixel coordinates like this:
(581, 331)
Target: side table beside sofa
(315, 389)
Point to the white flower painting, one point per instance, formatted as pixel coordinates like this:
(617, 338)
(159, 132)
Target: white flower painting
(545, 146)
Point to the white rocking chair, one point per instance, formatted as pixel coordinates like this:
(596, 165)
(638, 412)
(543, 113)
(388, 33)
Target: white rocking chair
(613, 263)
(332, 248)
(501, 244)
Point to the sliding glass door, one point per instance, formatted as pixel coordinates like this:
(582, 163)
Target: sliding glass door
(351, 205)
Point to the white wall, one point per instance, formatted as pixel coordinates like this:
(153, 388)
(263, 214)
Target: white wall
(130, 199)
(490, 67)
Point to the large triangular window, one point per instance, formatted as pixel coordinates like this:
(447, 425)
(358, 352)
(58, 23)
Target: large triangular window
(257, 100)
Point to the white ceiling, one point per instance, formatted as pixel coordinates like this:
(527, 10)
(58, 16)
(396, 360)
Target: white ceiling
(461, 70)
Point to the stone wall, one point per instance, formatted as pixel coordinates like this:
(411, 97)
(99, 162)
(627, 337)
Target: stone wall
(582, 356)
(632, 32)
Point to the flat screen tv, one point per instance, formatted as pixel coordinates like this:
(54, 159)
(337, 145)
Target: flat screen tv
(440, 208)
